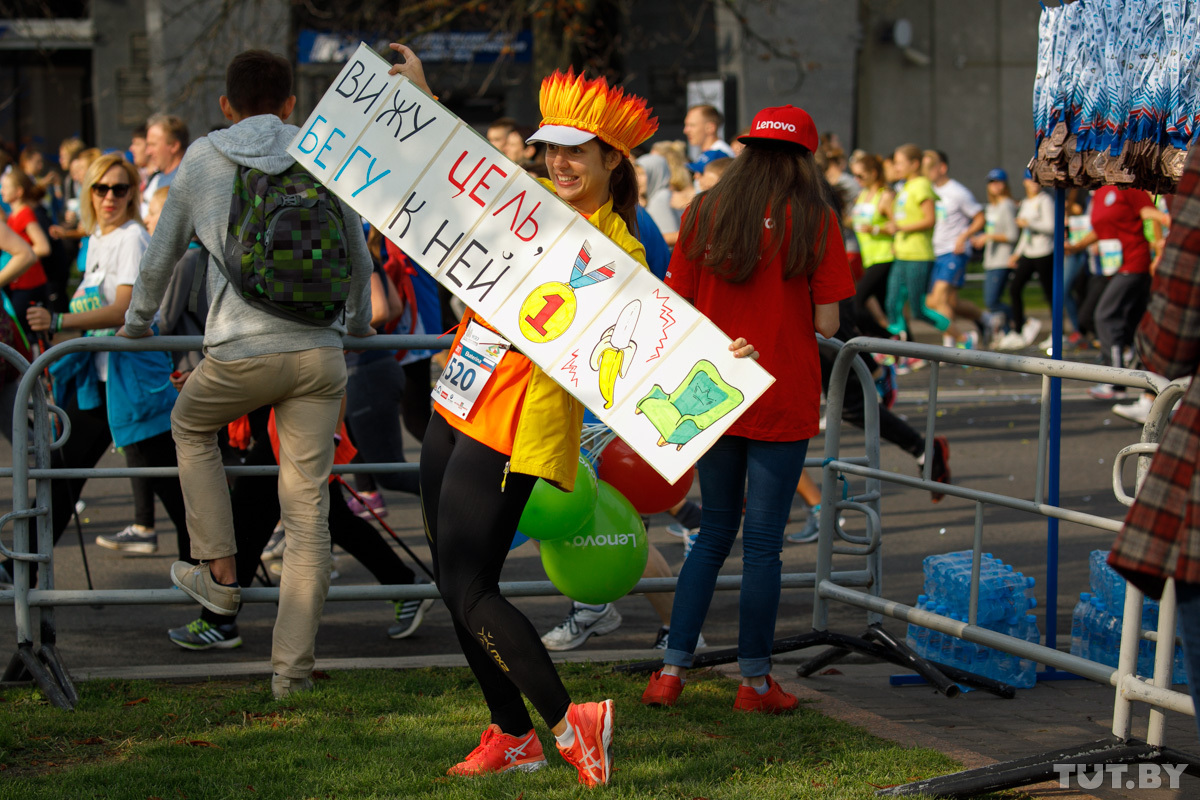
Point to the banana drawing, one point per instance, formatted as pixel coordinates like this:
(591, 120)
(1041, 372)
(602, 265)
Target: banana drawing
(615, 351)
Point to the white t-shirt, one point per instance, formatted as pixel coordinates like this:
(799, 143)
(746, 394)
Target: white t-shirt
(955, 207)
(113, 259)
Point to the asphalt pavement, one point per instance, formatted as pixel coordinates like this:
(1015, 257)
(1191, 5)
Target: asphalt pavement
(990, 419)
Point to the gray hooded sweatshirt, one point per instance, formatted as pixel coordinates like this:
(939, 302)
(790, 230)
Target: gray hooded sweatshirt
(199, 203)
(658, 192)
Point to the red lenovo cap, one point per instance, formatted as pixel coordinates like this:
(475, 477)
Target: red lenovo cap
(783, 124)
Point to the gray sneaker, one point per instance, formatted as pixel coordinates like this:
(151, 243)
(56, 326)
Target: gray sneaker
(581, 623)
(282, 686)
(274, 546)
(197, 581)
(409, 614)
(130, 541)
(199, 635)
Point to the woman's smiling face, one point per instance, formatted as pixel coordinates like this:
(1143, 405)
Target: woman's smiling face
(581, 173)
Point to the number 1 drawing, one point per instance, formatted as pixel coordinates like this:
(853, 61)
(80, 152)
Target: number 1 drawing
(550, 309)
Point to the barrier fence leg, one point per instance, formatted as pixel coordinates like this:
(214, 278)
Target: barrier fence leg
(48, 652)
(1059, 765)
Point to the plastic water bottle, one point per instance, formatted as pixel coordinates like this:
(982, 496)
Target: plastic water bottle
(964, 654)
(948, 643)
(983, 663)
(1113, 623)
(933, 646)
(1027, 669)
(914, 628)
(1179, 672)
(1103, 635)
(1077, 623)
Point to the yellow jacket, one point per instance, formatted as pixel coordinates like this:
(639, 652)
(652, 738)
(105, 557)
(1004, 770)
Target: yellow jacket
(547, 438)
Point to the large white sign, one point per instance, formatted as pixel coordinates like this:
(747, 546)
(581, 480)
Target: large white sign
(642, 359)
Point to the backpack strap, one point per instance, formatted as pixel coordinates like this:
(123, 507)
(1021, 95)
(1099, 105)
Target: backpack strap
(198, 277)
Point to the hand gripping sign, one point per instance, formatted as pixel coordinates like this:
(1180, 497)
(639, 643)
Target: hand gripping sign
(633, 351)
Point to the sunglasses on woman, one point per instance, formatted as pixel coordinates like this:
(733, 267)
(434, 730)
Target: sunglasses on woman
(118, 190)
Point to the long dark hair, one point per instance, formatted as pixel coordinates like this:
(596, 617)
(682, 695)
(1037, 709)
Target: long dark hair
(723, 227)
(622, 182)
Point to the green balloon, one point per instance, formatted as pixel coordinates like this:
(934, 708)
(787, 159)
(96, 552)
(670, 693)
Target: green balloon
(604, 560)
(554, 514)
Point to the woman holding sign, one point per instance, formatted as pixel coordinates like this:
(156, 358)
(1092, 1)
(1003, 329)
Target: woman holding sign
(760, 254)
(511, 424)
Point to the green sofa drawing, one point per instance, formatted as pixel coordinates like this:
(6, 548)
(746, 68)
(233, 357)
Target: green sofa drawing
(701, 399)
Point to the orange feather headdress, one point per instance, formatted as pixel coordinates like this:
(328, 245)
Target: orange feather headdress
(604, 111)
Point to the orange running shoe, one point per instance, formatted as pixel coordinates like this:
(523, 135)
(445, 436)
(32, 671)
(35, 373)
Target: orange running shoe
(498, 752)
(591, 752)
(663, 689)
(774, 701)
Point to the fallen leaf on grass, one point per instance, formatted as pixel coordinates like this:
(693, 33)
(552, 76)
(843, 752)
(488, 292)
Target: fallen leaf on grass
(332, 756)
(318, 675)
(197, 743)
(714, 735)
(830, 671)
(89, 740)
(139, 700)
(884, 786)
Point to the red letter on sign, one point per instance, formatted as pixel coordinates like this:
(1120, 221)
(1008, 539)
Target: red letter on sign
(462, 185)
(482, 185)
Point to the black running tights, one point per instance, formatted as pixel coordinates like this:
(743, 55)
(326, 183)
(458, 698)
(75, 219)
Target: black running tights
(470, 520)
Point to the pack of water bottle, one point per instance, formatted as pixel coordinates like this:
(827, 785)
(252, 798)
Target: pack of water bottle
(1005, 602)
(1098, 619)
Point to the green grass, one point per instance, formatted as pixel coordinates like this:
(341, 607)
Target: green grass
(368, 734)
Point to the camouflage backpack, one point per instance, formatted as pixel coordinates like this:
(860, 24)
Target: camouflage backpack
(286, 250)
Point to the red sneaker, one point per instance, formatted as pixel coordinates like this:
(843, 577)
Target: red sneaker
(663, 689)
(775, 701)
(498, 752)
(591, 752)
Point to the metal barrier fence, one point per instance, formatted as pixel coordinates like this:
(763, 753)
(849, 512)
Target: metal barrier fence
(858, 588)
(1156, 692)
(44, 664)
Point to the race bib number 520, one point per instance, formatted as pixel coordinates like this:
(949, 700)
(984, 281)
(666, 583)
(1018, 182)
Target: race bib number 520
(469, 368)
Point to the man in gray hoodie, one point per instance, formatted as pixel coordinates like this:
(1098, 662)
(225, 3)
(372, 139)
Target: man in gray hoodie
(253, 359)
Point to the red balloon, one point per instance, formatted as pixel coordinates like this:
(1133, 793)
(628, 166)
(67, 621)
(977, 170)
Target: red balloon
(642, 486)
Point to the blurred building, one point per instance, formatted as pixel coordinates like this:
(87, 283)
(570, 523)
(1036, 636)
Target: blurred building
(950, 75)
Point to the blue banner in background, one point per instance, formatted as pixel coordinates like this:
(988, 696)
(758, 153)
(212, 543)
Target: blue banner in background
(458, 47)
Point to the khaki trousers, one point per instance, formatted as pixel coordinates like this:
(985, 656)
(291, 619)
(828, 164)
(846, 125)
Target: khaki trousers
(306, 389)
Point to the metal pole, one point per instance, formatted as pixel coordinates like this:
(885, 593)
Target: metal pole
(1053, 457)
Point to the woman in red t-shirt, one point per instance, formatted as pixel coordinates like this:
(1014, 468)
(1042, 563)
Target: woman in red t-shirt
(20, 192)
(761, 255)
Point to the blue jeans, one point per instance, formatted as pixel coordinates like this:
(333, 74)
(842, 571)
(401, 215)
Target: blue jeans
(764, 476)
(994, 283)
(1188, 597)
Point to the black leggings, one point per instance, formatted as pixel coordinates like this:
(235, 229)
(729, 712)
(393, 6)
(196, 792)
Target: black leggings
(1026, 267)
(89, 441)
(256, 510)
(470, 521)
(873, 283)
(891, 427)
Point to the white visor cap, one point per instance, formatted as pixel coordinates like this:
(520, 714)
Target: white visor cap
(562, 135)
